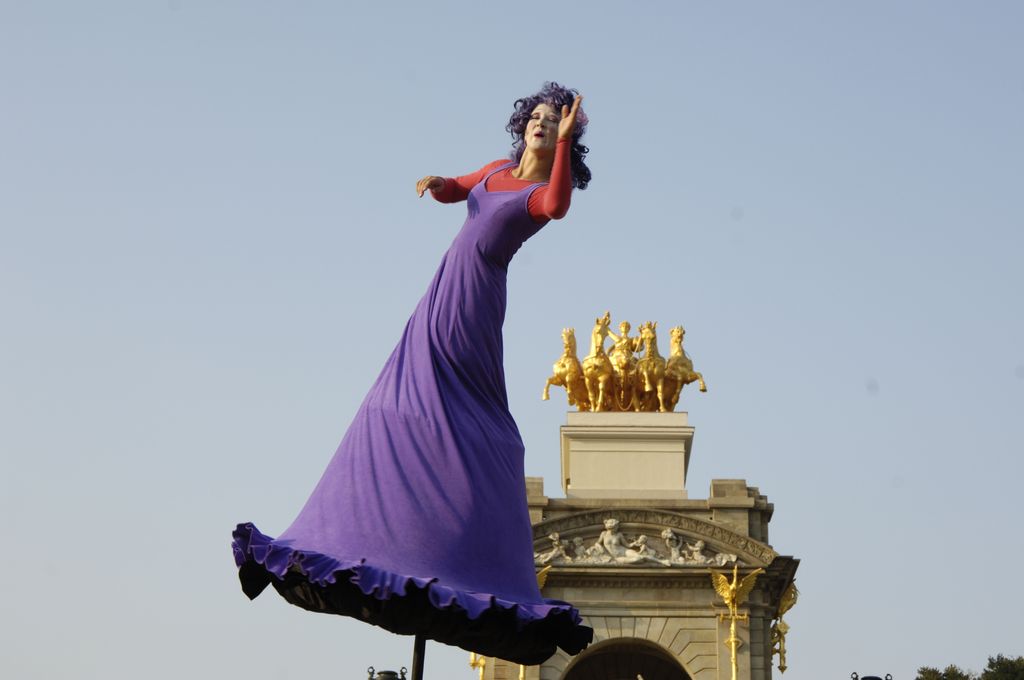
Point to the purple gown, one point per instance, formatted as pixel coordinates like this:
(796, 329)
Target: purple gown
(420, 524)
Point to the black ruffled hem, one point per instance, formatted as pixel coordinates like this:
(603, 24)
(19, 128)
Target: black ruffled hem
(524, 634)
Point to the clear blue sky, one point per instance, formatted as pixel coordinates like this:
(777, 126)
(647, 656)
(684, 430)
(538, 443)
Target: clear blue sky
(209, 242)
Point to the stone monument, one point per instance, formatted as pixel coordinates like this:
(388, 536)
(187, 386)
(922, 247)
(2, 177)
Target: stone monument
(636, 554)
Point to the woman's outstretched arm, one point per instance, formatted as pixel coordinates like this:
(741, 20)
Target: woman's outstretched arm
(454, 189)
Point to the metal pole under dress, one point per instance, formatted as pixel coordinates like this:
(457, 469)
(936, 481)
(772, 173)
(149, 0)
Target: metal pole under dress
(418, 652)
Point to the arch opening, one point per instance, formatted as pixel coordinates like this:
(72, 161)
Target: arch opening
(625, 659)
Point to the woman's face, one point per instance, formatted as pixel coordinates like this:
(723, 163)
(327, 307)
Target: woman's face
(542, 128)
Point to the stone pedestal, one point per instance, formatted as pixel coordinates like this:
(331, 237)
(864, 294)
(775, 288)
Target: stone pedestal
(625, 455)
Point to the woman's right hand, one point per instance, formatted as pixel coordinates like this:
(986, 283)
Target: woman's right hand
(429, 182)
(568, 122)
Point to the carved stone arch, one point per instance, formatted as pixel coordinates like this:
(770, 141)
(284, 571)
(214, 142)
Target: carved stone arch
(590, 523)
(624, 658)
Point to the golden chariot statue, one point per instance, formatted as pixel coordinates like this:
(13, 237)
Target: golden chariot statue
(633, 376)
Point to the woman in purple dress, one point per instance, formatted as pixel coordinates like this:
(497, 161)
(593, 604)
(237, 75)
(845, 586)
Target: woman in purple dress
(420, 524)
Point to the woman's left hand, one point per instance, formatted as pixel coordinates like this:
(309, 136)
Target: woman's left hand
(568, 122)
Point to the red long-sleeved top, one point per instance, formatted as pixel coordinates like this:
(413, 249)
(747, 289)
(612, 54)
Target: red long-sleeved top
(547, 202)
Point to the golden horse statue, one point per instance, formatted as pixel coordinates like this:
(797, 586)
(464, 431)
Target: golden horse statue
(679, 370)
(568, 373)
(597, 367)
(651, 371)
(630, 376)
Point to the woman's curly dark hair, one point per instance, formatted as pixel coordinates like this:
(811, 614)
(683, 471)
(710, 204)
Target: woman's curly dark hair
(556, 96)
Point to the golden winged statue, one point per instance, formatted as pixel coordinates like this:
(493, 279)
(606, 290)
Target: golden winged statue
(788, 599)
(780, 627)
(736, 592)
(542, 576)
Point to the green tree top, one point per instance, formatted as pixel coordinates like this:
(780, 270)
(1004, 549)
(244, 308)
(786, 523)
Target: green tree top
(999, 668)
(951, 673)
(1004, 668)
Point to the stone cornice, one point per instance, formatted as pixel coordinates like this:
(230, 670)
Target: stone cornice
(630, 579)
(581, 581)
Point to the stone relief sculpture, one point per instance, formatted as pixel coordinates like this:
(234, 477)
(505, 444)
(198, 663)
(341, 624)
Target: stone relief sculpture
(673, 543)
(558, 547)
(579, 548)
(694, 554)
(613, 548)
